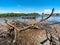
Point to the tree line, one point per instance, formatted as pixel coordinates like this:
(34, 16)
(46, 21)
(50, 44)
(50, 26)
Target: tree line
(18, 14)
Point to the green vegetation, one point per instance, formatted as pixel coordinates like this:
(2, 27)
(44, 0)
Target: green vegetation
(23, 14)
(18, 14)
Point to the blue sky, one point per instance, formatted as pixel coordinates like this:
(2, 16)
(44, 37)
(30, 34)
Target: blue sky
(29, 6)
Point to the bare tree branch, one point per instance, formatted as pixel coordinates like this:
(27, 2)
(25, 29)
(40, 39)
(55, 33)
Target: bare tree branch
(49, 15)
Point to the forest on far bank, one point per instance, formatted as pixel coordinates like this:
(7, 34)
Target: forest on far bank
(23, 14)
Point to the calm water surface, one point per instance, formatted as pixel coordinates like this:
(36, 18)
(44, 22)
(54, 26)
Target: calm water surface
(52, 19)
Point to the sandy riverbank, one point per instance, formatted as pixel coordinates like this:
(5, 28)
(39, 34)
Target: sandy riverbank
(30, 36)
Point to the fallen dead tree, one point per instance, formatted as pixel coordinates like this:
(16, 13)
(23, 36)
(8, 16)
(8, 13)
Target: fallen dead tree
(31, 34)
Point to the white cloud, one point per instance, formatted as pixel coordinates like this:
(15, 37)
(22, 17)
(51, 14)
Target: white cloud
(26, 10)
(2, 10)
(47, 11)
(57, 11)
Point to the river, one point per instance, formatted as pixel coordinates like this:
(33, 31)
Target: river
(52, 19)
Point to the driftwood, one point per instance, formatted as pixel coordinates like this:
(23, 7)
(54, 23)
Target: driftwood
(28, 35)
(31, 24)
(49, 15)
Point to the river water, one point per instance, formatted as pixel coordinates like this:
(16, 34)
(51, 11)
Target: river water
(52, 19)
